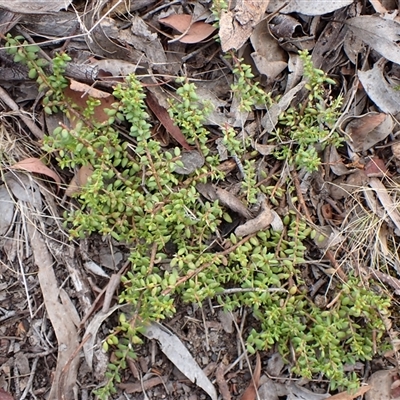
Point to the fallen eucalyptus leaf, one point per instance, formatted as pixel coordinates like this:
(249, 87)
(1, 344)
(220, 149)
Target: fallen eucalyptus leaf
(191, 161)
(308, 7)
(24, 188)
(178, 354)
(262, 221)
(379, 90)
(237, 26)
(379, 33)
(367, 130)
(270, 119)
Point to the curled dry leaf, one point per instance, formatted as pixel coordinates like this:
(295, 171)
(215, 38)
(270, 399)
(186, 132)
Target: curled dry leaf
(262, 221)
(308, 7)
(35, 165)
(212, 193)
(86, 89)
(80, 179)
(379, 33)
(24, 188)
(335, 162)
(264, 149)
(229, 200)
(236, 27)
(367, 130)
(194, 32)
(162, 114)
(270, 119)
(269, 57)
(375, 167)
(222, 383)
(251, 391)
(379, 90)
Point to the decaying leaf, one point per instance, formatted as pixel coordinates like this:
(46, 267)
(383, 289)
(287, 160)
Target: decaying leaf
(271, 389)
(222, 383)
(264, 149)
(7, 208)
(379, 90)
(66, 371)
(298, 392)
(270, 119)
(367, 130)
(269, 57)
(146, 41)
(80, 97)
(193, 31)
(251, 391)
(227, 199)
(386, 201)
(379, 33)
(162, 114)
(336, 163)
(139, 387)
(237, 26)
(275, 364)
(343, 186)
(174, 349)
(24, 188)
(37, 166)
(375, 168)
(86, 89)
(79, 180)
(393, 282)
(91, 333)
(350, 395)
(380, 383)
(39, 7)
(113, 67)
(396, 150)
(308, 7)
(262, 221)
(191, 161)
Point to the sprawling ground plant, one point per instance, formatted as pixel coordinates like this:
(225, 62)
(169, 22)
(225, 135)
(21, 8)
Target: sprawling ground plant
(135, 196)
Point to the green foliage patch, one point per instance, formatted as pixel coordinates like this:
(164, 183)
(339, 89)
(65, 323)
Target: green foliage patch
(135, 196)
